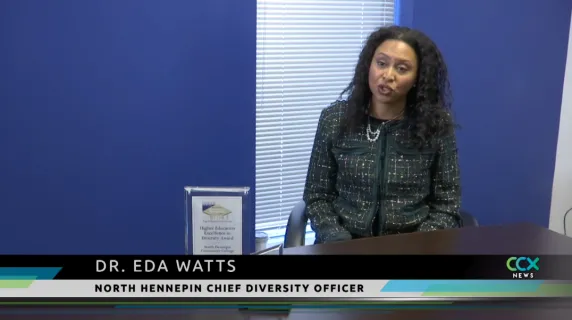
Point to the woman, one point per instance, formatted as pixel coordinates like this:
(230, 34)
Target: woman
(384, 161)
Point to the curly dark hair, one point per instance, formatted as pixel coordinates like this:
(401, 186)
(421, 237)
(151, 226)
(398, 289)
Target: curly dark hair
(428, 105)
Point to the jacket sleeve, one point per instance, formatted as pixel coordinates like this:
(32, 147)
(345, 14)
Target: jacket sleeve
(320, 189)
(445, 197)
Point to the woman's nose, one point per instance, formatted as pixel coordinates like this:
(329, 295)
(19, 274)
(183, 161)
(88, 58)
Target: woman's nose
(389, 75)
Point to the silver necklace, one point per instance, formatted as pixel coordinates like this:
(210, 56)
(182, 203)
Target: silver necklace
(371, 135)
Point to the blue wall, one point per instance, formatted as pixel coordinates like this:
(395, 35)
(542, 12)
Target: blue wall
(108, 108)
(103, 104)
(506, 60)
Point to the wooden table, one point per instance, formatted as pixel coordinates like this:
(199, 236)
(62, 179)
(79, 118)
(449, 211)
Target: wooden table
(520, 239)
(524, 311)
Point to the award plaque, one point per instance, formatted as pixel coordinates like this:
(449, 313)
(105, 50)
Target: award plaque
(213, 220)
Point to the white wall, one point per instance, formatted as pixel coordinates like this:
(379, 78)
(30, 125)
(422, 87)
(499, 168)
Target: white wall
(562, 187)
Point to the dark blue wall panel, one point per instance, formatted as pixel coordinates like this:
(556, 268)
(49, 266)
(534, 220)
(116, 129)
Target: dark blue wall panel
(506, 60)
(108, 108)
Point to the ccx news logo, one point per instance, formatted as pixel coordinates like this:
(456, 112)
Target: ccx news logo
(522, 267)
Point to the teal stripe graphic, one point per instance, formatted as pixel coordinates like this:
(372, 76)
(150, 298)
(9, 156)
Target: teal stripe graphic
(25, 273)
(462, 285)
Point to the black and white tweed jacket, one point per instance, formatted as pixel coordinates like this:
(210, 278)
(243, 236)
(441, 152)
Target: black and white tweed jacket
(356, 188)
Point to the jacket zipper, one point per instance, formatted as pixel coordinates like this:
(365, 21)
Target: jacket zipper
(379, 185)
(382, 183)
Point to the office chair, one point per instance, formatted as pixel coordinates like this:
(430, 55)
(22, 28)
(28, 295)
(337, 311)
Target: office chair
(297, 222)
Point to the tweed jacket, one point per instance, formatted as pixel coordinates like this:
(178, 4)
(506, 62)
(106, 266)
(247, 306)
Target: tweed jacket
(357, 188)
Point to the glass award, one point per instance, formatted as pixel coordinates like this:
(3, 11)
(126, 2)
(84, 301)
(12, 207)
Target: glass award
(214, 220)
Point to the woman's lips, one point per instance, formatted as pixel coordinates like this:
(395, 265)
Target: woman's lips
(384, 90)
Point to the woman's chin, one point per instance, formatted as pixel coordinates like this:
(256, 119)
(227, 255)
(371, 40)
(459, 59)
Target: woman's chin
(383, 99)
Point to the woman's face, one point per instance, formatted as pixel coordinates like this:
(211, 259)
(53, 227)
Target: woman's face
(393, 72)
